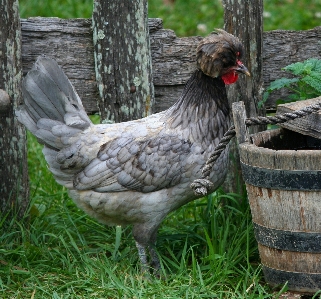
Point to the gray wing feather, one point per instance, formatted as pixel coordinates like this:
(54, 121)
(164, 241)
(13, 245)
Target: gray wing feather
(145, 166)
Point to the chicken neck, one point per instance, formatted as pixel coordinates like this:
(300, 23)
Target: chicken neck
(202, 109)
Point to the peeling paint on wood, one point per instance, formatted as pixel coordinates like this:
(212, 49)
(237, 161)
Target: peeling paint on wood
(121, 46)
(13, 162)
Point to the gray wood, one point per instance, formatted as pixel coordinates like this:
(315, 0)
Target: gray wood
(122, 60)
(13, 160)
(244, 19)
(70, 42)
(239, 116)
(308, 125)
(173, 61)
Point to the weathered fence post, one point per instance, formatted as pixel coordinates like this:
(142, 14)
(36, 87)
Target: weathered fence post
(13, 163)
(244, 19)
(122, 59)
(239, 116)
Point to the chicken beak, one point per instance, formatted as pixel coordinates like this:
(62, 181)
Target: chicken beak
(243, 69)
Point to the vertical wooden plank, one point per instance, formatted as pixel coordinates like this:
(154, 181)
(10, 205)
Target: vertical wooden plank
(244, 19)
(122, 59)
(13, 163)
(239, 116)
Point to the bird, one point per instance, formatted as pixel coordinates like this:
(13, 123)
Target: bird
(135, 172)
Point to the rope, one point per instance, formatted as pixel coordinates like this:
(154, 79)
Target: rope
(202, 185)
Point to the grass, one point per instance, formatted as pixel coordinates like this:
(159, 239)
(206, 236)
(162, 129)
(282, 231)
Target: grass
(207, 250)
(207, 247)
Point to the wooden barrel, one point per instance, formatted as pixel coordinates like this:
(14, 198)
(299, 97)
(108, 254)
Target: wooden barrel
(282, 171)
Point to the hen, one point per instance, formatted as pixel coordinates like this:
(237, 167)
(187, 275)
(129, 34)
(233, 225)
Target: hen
(136, 172)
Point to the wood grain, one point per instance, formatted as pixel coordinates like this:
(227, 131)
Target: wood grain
(290, 261)
(308, 125)
(70, 42)
(284, 209)
(239, 116)
(244, 20)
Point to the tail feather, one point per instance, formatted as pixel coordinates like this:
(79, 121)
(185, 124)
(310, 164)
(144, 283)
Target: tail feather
(51, 69)
(40, 90)
(53, 112)
(51, 104)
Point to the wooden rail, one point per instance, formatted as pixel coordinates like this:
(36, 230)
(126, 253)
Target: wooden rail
(70, 42)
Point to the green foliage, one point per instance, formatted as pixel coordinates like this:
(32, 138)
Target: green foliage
(307, 67)
(291, 14)
(64, 9)
(306, 83)
(189, 17)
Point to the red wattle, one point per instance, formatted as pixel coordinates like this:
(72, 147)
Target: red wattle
(230, 78)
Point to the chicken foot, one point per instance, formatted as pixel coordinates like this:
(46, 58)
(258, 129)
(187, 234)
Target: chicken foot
(154, 263)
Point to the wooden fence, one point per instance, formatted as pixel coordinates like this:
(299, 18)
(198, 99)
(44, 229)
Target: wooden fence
(173, 58)
(97, 53)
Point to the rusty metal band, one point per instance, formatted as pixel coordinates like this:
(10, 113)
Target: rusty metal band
(309, 180)
(296, 281)
(288, 240)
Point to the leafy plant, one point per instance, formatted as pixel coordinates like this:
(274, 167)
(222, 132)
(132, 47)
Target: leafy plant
(306, 83)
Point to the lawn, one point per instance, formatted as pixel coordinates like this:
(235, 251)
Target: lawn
(207, 248)
(191, 17)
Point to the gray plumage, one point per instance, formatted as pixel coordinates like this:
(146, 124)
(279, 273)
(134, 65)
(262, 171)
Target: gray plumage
(134, 172)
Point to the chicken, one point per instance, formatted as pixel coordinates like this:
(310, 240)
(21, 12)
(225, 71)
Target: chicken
(136, 172)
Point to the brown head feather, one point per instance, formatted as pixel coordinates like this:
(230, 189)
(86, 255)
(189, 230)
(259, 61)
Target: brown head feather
(218, 52)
